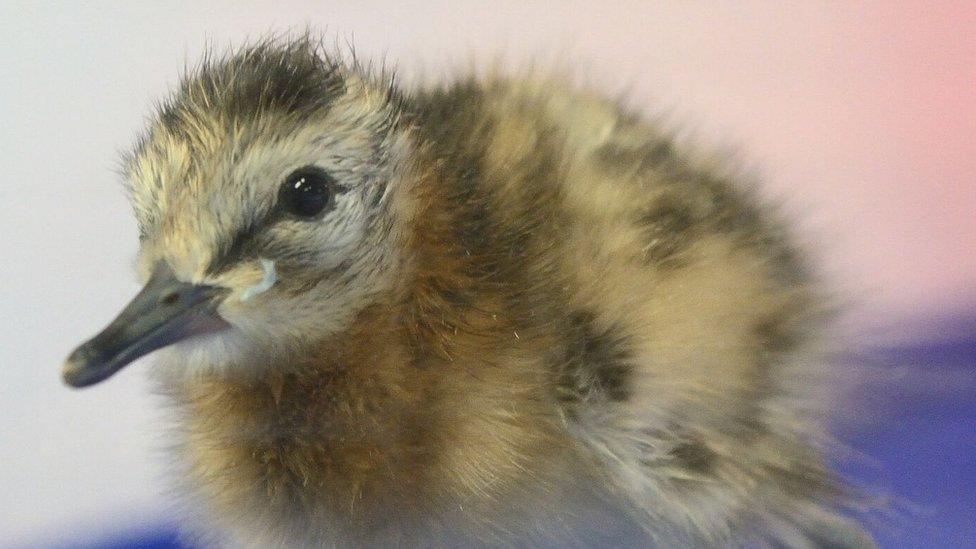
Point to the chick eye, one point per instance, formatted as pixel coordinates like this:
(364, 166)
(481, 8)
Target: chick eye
(306, 193)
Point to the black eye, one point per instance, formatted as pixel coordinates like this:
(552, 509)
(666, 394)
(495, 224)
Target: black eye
(306, 193)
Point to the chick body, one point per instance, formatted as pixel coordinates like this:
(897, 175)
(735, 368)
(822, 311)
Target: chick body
(545, 323)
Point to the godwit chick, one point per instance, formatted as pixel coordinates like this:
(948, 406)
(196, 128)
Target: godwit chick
(495, 312)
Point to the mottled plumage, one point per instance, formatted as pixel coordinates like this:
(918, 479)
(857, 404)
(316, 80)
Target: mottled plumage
(529, 317)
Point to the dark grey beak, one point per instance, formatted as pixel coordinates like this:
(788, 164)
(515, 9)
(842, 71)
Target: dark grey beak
(164, 312)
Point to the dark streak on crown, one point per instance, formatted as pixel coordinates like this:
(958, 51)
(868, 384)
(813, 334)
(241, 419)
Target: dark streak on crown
(296, 78)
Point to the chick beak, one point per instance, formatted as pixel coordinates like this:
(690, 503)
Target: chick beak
(164, 312)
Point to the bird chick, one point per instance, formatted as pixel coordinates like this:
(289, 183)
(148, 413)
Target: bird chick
(502, 312)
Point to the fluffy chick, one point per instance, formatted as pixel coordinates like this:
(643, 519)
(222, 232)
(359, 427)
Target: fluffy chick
(498, 311)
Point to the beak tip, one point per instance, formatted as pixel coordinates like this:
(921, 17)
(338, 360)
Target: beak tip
(71, 374)
(80, 369)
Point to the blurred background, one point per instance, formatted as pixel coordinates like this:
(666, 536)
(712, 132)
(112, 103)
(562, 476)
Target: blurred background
(861, 117)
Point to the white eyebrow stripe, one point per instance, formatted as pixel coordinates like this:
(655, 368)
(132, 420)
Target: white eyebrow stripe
(266, 282)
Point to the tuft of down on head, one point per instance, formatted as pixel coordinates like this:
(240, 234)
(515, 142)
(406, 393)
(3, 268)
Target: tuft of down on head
(206, 184)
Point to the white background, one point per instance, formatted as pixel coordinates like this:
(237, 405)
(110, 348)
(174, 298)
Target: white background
(862, 117)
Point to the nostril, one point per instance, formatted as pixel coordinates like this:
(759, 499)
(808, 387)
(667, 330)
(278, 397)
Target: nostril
(170, 298)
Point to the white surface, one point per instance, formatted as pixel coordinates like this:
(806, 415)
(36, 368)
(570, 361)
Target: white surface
(864, 117)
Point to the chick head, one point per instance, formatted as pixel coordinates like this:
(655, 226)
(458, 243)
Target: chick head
(265, 191)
